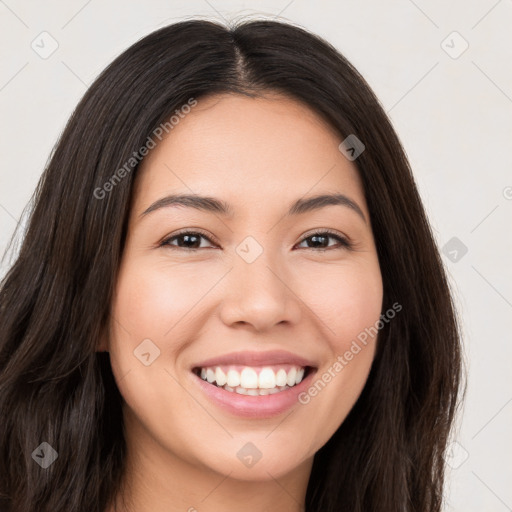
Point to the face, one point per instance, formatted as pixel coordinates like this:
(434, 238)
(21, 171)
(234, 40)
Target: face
(263, 300)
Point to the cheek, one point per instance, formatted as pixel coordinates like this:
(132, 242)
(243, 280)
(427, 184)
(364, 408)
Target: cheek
(148, 305)
(145, 307)
(152, 299)
(156, 302)
(346, 300)
(347, 303)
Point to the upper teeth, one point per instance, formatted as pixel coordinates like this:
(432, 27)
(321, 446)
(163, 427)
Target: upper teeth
(248, 378)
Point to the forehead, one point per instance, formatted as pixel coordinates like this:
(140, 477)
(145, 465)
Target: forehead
(248, 151)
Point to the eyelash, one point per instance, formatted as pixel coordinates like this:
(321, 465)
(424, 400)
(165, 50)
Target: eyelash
(344, 243)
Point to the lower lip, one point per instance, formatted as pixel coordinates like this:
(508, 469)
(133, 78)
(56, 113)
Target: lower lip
(248, 406)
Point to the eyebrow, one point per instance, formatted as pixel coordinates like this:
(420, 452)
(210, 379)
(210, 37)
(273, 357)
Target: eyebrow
(214, 205)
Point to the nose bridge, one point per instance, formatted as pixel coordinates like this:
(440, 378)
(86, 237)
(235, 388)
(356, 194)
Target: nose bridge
(259, 293)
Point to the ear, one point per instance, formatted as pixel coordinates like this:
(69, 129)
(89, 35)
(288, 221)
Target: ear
(102, 344)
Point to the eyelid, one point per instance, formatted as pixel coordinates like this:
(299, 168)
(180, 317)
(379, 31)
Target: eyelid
(344, 241)
(189, 231)
(323, 231)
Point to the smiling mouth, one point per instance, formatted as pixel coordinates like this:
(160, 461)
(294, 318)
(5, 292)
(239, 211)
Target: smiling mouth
(254, 381)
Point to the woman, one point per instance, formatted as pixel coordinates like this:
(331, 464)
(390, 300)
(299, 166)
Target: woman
(180, 332)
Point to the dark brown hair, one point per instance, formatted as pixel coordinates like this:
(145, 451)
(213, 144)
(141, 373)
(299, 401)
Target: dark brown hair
(55, 299)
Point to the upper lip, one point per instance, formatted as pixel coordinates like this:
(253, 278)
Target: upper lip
(247, 358)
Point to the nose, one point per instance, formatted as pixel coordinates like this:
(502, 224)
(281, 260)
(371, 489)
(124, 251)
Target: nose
(260, 294)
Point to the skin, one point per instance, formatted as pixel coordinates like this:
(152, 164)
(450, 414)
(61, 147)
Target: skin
(259, 155)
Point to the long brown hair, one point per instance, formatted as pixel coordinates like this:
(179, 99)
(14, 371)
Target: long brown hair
(54, 301)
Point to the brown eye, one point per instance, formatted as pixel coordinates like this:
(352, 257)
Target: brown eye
(186, 240)
(191, 240)
(320, 240)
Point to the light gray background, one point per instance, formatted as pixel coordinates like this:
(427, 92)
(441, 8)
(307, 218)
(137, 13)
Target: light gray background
(452, 111)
